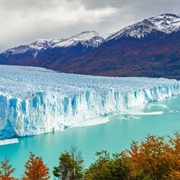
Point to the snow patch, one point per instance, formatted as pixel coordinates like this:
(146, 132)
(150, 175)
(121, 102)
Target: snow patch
(86, 38)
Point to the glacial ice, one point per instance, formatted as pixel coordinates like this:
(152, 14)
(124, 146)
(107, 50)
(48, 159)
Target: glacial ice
(36, 100)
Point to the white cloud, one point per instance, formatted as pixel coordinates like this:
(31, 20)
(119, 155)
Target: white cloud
(23, 21)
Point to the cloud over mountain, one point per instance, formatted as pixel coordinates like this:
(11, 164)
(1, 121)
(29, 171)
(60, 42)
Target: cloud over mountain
(24, 21)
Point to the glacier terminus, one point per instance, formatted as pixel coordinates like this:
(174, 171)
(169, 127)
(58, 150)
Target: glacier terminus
(36, 100)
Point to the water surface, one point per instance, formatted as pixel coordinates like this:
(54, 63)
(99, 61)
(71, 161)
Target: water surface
(159, 118)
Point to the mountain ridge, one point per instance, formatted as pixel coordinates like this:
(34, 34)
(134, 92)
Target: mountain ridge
(87, 38)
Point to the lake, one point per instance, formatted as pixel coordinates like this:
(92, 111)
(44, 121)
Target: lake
(158, 118)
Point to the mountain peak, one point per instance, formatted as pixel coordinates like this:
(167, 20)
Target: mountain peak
(166, 23)
(85, 35)
(86, 38)
(168, 16)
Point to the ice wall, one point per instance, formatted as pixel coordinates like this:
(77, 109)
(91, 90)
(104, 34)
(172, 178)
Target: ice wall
(35, 100)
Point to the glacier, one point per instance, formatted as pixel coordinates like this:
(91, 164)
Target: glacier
(37, 100)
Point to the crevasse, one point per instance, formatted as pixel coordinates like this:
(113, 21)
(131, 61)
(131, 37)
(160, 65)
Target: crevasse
(35, 100)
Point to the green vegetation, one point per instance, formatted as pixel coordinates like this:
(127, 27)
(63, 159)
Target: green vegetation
(70, 165)
(106, 167)
(153, 159)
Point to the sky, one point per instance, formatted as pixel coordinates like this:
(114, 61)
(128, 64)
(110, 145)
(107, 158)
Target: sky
(24, 21)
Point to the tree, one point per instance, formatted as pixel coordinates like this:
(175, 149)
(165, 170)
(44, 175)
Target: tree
(100, 168)
(35, 169)
(175, 152)
(106, 167)
(70, 165)
(121, 166)
(65, 168)
(152, 159)
(7, 170)
(76, 155)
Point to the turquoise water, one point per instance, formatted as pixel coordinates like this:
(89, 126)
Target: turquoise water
(160, 118)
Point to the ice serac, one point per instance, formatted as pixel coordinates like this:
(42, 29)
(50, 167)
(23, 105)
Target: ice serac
(36, 100)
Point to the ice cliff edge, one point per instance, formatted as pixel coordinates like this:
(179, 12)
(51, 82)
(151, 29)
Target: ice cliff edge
(36, 100)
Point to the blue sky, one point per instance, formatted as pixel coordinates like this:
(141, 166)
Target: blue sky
(23, 21)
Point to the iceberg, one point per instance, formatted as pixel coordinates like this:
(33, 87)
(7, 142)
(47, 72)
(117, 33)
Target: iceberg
(36, 100)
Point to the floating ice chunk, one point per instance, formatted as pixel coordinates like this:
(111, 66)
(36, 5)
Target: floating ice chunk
(142, 113)
(92, 122)
(9, 141)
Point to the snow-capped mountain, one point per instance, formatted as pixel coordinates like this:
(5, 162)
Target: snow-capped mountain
(34, 47)
(86, 38)
(51, 52)
(164, 23)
